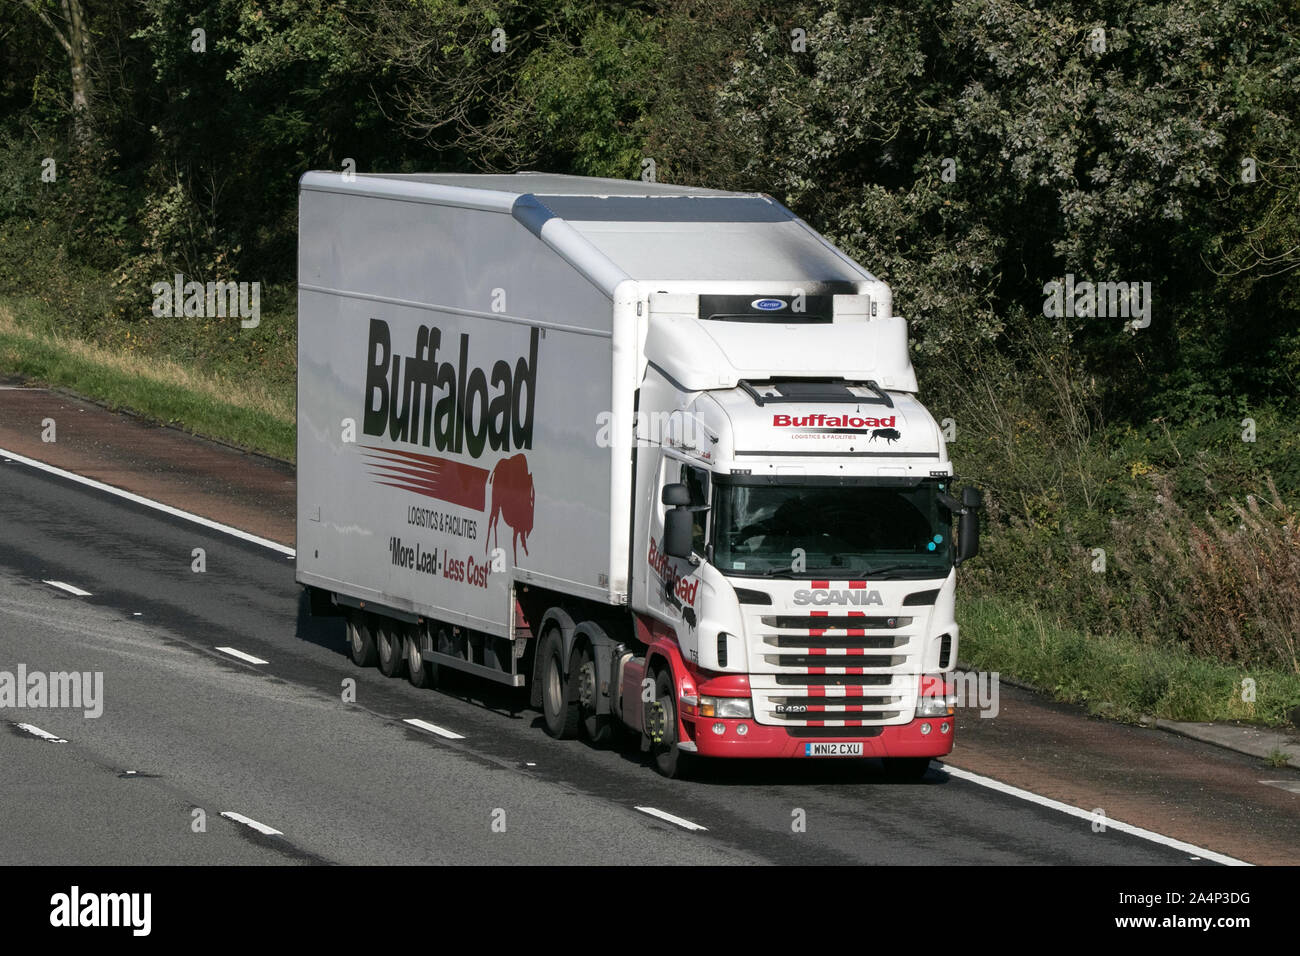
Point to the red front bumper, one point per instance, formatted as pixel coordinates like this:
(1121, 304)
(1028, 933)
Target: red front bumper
(905, 740)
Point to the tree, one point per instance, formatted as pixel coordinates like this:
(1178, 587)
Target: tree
(72, 30)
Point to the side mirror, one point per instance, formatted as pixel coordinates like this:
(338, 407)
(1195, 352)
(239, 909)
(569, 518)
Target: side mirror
(968, 525)
(676, 495)
(678, 529)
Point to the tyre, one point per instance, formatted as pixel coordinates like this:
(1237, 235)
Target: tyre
(361, 640)
(559, 707)
(905, 769)
(418, 671)
(584, 681)
(391, 643)
(661, 724)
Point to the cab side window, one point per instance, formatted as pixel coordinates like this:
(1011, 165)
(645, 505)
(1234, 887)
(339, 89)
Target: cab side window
(696, 481)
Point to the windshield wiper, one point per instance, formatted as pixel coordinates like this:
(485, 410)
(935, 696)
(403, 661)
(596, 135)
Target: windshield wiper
(890, 570)
(778, 573)
(884, 571)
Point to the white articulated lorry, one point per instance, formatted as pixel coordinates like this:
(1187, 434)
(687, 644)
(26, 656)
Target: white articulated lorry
(654, 451)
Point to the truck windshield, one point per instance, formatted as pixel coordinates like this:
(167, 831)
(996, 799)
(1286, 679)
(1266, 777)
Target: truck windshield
(839, 531)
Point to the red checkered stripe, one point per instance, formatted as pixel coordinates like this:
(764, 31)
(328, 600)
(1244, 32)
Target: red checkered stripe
(834, 692)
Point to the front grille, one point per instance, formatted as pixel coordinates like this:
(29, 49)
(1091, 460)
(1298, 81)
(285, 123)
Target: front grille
(787, 622)
(832, 673)
(837, 640)
(839, 703)
(834, 680)
(833, 660)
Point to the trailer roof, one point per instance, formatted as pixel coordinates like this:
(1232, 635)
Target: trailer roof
(614, 229)
(553, 184)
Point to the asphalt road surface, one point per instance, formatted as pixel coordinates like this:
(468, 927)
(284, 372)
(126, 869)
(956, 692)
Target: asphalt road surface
(189, 732)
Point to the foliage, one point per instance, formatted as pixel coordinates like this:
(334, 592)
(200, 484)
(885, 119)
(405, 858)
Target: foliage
(969, 152)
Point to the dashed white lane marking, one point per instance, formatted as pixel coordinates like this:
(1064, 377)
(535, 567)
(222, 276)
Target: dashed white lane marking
(250, 822)
(1292, 786)
(671, 818)
(149, 503)
(43, 734)
(1111, 824)
(433, 728)
(70, 588)
(242, 656)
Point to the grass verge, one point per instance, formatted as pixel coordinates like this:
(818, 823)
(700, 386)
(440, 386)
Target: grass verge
(1114, 674)
(238, 412)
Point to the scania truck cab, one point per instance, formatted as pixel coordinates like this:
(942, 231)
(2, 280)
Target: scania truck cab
(800, 570)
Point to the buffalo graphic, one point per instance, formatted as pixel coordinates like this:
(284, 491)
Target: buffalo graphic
(890, 435)
(688, 612)
(512, 498)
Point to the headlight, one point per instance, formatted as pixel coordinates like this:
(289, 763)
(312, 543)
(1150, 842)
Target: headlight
(936, 705)
(731, 707)
(937, 698)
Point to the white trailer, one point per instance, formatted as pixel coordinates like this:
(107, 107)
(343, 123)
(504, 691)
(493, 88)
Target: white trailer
(533, 410)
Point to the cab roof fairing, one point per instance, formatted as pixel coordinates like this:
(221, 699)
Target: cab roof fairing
(902, 441)
(699, 355)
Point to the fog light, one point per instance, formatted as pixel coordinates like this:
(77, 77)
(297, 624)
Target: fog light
(719, 728)
(742, 729)
(925, 729)
(943, 728)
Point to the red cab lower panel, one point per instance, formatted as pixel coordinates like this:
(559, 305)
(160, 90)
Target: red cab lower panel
(760, 740)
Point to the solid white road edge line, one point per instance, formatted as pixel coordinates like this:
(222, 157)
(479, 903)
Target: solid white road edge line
(242, 656)
(679, 821)
(1290, 785)
(44, 735)
(433, 728)
(149, 503)
(1111, 824)
(64, 586)
(250, 822)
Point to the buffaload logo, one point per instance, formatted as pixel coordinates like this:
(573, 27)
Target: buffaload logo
(477, 408)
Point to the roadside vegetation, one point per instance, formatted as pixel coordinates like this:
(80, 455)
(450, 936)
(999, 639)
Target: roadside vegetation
(1142, 546)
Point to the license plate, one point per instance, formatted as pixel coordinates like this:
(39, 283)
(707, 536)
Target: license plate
(846, 748)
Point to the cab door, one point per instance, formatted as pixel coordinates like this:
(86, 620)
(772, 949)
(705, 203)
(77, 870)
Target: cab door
(673, 588)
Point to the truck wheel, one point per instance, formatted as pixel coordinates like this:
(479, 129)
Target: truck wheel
(361, 641)
(584, 686)
(392, 650)
(558, 706)
(905, 769)
(418, 671)
(661, 725)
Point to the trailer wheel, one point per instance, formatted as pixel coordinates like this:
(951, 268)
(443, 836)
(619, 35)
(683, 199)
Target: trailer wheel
(418, 671)
(661, 726)
(905, 769)
(584, 686)
(361, 641)
(392, 649)
(558, 705)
